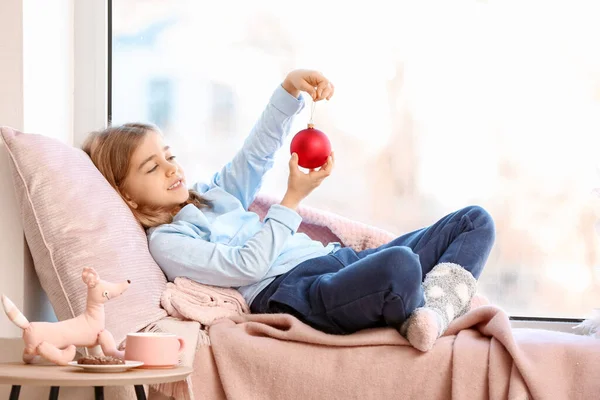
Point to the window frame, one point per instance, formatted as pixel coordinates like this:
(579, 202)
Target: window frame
(93, 60)
(91, 74)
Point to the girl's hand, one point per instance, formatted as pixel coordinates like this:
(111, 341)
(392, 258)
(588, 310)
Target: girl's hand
(301, 184)
(311, 82)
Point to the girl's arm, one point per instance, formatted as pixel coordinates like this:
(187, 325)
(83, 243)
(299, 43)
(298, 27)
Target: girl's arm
(242, 177)
(180, 253)
(220, 265)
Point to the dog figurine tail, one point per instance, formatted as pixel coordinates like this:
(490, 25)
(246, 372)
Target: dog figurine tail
(14, 314)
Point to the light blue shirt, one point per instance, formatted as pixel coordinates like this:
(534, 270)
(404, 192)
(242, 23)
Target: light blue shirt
(227, 245)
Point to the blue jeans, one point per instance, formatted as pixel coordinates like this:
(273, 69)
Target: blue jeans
(347, 291)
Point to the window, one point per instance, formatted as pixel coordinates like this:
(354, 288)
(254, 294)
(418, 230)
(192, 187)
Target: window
(436, 107)
(223, 112)
(160, 98)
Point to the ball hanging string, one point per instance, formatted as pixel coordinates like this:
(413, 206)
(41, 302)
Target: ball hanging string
(311, 123)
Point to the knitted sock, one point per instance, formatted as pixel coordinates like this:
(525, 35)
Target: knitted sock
(448, 289)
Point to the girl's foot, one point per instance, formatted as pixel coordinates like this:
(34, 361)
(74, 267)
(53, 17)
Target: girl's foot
(448, 291)
(422, 328)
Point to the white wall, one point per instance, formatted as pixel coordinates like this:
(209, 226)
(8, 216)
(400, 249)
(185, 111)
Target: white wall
(11, 113)
(36, 77)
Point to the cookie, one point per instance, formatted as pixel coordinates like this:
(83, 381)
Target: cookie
(100, 360)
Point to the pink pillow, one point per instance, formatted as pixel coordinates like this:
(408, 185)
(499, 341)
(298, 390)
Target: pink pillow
(72, 219)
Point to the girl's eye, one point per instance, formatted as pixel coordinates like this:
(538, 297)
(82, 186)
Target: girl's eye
(171, 158)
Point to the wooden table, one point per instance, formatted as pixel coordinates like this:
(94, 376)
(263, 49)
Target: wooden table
(18, 374)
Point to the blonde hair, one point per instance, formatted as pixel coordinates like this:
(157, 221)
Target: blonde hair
(111, 150)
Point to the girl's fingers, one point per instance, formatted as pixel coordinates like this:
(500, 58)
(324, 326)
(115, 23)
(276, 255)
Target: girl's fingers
(332, 88)
(308, 88)
(321, 87)
(293, 163)
(329, 165)
(325, 169)
(326, 95)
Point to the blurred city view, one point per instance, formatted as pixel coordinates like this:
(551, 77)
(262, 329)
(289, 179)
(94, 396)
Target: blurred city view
(438, 105)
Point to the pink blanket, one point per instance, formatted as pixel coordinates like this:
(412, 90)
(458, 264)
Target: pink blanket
(479, 357)
(329, 227)
(187, 299)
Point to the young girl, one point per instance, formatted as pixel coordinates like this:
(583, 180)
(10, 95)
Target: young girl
(417, 283)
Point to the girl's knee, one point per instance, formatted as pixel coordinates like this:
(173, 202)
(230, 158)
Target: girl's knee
(482, 220)
(477, 212)
(400, 272)
(400, 264)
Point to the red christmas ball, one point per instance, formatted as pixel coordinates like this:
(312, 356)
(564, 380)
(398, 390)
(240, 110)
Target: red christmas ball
(312, 146)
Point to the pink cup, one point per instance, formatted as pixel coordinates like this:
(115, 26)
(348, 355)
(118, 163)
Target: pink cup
(155, 350)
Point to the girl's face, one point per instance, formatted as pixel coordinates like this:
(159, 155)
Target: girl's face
(154, 178)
